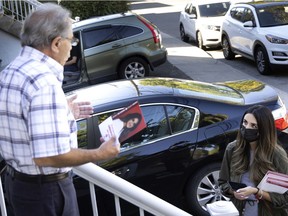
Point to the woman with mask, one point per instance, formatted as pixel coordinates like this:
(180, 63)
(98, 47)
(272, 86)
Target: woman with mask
(248, 158)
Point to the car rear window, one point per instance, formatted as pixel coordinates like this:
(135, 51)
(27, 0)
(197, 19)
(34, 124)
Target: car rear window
(214, 10)
(128, 31)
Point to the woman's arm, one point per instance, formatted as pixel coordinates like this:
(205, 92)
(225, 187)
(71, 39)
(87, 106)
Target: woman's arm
(224, 175)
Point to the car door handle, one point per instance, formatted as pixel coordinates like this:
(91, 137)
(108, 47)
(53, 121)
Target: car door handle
(179, 146)
(116, 45)
(121, 172)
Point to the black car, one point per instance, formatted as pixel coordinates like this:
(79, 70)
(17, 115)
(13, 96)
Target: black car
(177, 156)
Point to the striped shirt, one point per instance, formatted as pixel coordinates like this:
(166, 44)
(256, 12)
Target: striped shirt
(35, 120)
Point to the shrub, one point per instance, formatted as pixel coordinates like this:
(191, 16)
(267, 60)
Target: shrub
(86, 9)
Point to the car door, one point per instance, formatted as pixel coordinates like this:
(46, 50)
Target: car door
(102, 50)
(247, 36)
(157, 156)
(235, 27)
(191, 19)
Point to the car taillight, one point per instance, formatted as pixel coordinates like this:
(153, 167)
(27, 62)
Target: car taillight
(154, 31)
(280, 116)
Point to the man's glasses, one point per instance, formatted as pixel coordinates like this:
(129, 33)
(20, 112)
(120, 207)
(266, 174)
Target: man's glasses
(74, 41)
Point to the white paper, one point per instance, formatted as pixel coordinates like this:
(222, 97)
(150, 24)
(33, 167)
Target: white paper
(274, 187)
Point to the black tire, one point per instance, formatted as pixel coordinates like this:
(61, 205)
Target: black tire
(134, 67)
(183, 35)
(226, 48)
(262, 61)
(199, 41)
(203, 188)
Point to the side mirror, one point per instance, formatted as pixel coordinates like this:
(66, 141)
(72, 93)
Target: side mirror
(248, 24)
(193, 16)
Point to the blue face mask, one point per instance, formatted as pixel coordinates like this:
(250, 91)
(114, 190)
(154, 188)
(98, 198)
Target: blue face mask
(249, 134)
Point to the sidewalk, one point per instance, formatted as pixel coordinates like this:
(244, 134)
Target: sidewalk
(196, 63)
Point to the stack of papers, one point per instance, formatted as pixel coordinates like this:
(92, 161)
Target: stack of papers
(274, 182)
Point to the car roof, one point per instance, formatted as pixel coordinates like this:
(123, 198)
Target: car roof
(201, 2)
(101, 19)
(241, 92)
(263, 4)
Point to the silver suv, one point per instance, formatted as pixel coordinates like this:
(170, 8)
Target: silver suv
(116, 46)
(258, 31)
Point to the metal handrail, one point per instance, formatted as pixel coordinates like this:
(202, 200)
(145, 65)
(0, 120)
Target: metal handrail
(19, 9)
(125, 190)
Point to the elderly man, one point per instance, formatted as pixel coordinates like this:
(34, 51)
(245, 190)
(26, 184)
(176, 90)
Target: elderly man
(38, 130)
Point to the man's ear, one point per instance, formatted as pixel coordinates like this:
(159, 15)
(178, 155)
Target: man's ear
(55, 44)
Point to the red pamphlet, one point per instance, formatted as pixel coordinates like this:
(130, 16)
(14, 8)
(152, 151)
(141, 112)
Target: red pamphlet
(124, 124)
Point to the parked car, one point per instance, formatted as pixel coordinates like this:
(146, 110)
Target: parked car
(258, 31)
(115, 46)
(201, 21)
(177, 156)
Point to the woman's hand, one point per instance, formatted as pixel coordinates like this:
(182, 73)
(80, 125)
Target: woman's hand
(244, 193)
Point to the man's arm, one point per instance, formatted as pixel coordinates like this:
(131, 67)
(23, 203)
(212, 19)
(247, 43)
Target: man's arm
(76, 157)
(72, 61)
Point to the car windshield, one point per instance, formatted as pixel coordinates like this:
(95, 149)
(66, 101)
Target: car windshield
(273, 15)
(214, 10)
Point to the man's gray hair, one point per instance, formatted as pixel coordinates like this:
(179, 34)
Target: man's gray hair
(44, 24)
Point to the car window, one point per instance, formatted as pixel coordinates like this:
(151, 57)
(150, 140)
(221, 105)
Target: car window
(181, 118)
(237, 13)
(193, 10)
(99, 36)
(248, 16)
(107, 34)
(128, 31)
(82, 133)
(187, 8)
(214, 10)
(158, 125)
(273, 16)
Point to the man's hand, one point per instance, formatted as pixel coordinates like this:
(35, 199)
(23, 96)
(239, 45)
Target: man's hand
(79, 109)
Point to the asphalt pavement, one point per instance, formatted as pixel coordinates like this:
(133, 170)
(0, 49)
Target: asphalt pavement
(184, 60)
(189, 61)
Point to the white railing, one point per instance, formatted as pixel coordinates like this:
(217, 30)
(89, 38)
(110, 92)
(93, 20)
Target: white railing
(124, 190)
(18, 9)
(121, 189)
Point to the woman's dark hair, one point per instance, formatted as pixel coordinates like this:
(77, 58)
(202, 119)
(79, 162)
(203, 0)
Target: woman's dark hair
(266, 146)
(125, 119)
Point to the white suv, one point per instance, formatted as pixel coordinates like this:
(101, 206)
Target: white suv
(201, 21)
(257, 31)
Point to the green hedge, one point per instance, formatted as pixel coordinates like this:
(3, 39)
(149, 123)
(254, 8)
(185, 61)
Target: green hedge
(86, 9)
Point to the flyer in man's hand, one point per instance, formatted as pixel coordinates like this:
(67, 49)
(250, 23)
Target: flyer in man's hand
(123, 124)
(274, 182)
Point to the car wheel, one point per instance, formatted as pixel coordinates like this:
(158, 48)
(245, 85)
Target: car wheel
(183, 35)
(134, 67)
(262, 61)
(200, 41)
(226, 48)
(203, 188)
